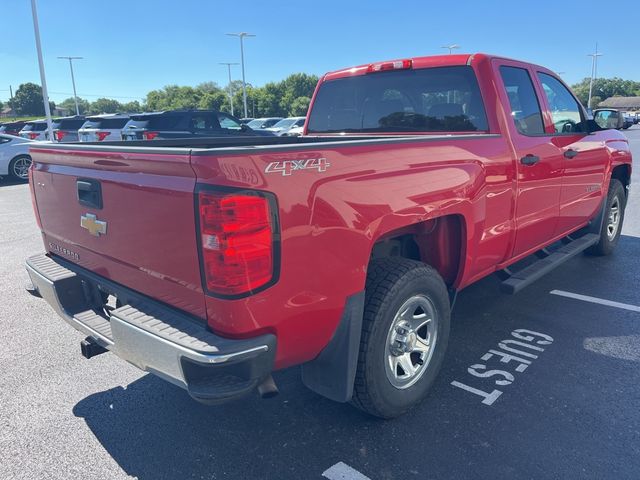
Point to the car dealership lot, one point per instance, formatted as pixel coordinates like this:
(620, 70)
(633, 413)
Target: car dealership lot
(572, 413)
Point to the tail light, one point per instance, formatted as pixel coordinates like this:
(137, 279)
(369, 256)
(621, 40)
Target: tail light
(150, 135)
(102, 135)
(33, 135)
(59, 135)
(394, 65)
(238, 241)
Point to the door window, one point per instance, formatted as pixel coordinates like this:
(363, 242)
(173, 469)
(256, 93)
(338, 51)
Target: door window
(227, 122)
(525, 109)
(565, 109)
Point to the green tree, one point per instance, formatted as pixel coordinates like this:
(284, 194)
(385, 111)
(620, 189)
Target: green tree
(299, 107)
(28, 100)
(105, 105)
(215, 100)
(132, 107)
(605, 88)
(70, 104)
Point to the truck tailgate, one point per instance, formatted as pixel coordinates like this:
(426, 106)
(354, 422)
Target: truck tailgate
(143, 234)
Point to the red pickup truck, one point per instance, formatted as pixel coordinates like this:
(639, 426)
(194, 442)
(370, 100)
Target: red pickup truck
(214, 262)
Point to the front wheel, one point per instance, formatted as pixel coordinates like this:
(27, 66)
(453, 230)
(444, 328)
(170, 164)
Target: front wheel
(404, 338)
(613, 218)
(19, 167)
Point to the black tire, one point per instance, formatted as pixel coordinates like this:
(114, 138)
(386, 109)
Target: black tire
(16, 168)
(608, 242)
(391, 282)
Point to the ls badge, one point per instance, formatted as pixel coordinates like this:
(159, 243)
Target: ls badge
(95, 227)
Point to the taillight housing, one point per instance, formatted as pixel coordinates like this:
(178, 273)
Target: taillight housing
(59, 135)
(150, 135)
(102, 135)
(239, 241)
(33, 135)
(392, 65)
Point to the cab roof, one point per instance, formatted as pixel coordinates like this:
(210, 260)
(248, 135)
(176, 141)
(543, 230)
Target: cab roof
(420, 62)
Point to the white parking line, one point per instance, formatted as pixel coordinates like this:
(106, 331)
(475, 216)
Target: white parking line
(601, 301)
(342, 471)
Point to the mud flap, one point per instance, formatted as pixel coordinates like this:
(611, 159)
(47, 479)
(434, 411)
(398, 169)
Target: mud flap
(332, 373)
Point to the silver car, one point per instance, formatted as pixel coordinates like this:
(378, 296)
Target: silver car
(283, 127)
(101, 128)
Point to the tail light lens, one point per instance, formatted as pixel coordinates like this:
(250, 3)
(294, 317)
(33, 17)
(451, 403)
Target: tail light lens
(150, 135)
(59, 135)
(102, 135)
(238, 241)
(393, 65)
(33, 135)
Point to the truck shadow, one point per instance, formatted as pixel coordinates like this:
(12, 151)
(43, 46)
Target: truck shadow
(154, 430)
(8, 181)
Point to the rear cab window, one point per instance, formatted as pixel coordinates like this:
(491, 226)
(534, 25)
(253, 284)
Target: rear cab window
(525, 108)
(437, 99)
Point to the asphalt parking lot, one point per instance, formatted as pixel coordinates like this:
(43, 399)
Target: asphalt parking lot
(572, 412)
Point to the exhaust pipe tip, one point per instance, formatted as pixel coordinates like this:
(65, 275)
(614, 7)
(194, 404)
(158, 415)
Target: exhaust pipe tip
(268, 388)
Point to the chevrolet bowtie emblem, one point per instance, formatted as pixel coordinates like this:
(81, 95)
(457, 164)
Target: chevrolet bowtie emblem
(95, 226)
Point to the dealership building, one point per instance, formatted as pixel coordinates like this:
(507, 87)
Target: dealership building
(621, 103)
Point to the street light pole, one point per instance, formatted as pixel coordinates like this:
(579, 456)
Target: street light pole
(43, 80)
(241, 36)
(451, 47)
(228, 64)
(73, 80)
(594, 72)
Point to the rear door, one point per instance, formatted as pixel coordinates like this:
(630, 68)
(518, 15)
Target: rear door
(123, 214)
(539, 166)
(583, 156)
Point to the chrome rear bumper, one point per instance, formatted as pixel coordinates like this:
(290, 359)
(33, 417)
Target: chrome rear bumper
(152, 336)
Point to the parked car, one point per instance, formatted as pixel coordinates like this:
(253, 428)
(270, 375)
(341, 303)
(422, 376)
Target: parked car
(14, 157)
(99, 128)
(185, 124)
(283, 126)
(609, 118)
(263, 123)
(214, 262)
(37, 129)
(294, 132)
(628, 120)
(66, 129)
(12, 128)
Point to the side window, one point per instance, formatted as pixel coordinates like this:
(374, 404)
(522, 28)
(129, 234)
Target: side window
(565, 110)
(4, 140)
(204, 122)
(228, 122)
(525, 109)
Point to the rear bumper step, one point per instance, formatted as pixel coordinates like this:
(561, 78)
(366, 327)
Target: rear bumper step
(153, 336)
(548, 261)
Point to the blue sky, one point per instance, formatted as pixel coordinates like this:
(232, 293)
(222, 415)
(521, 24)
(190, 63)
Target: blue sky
(131, 47)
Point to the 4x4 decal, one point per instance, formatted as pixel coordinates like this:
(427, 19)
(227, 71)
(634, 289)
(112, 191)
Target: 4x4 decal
(287, 167)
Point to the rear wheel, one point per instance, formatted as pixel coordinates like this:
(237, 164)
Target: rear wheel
(19, 167)
(404, 338)
(613, 218)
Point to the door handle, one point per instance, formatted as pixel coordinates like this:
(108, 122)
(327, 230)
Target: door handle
(529, 159)
(570, 153)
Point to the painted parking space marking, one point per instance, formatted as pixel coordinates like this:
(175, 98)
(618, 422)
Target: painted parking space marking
(342, 471)
(601, 301)
(529, 345)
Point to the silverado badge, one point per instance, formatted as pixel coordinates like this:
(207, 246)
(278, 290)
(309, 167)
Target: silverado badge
(95, 226)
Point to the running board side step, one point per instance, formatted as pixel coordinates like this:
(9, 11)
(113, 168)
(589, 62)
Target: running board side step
(525, 277)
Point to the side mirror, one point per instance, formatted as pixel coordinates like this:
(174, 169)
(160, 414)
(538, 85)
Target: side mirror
(607, 119)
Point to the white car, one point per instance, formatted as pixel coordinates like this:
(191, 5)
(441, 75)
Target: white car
(14, 157)
(37, 129)
(101, 128)
(294, 132)
(285, 125)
